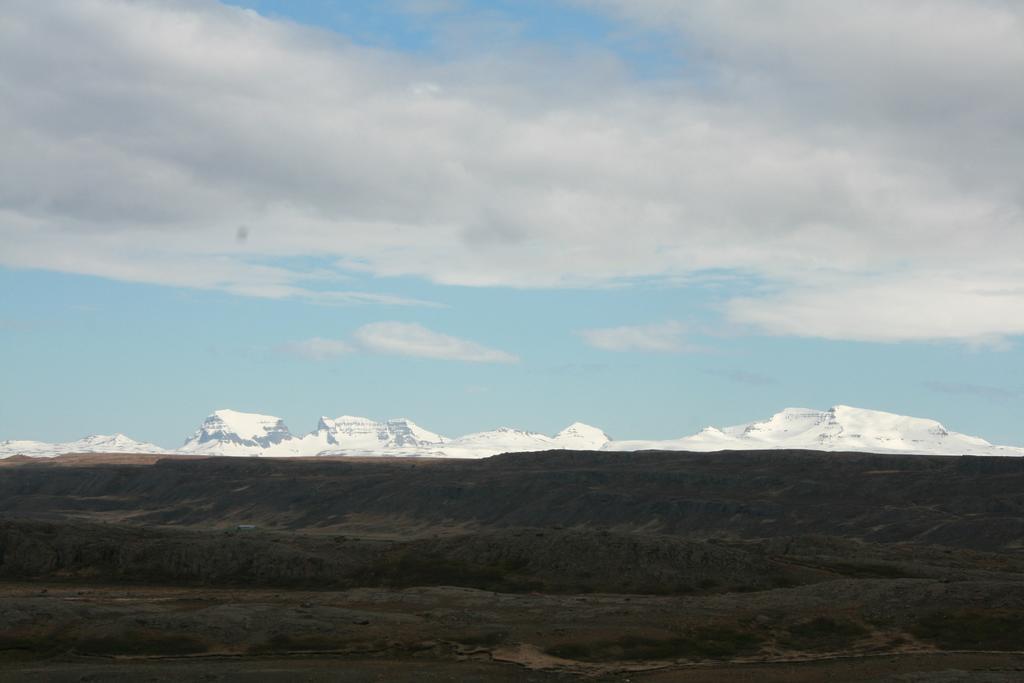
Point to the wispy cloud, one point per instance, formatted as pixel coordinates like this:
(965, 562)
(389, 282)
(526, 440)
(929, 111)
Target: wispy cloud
(397, 338)
(744, 377)
(427, 7)
(667, 337)
(327, 297)
(317, 349)
(17, 326)
(410, 339)
(977, 390)
(571, 369)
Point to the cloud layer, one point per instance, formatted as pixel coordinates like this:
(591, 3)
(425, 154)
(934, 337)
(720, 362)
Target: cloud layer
(399, 339)
(410, 339)
(659, 337)
(864, 170)
(317, 348)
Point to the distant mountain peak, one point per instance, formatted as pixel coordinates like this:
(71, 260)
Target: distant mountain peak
(840, 428)
(237, 431)
(579, 435)
(97, 443)
(363, 434)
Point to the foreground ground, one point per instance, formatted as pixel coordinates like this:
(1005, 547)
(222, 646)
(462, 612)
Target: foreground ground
(562, 566)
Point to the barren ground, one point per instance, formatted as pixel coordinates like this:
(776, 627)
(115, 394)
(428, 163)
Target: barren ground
(558, 566)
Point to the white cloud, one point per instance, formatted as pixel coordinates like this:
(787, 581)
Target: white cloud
(660, 337)
(410, 339)
(754, 379)
(317, 349)
(832, 151)
(973, 309)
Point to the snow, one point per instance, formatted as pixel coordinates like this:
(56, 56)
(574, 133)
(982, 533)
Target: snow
(579, 436)
(363, 433)
(98, 443)
(229, 432)
(501, 440)
(841, 428)
(247, 425)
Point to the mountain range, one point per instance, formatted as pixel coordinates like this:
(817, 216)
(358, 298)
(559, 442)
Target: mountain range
(97, 443)
(841, 428)
(228, 432)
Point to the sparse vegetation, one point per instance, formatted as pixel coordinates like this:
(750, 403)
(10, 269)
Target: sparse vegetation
(133, 643)
(285, 643)
(143, 563)
(139, 643)
(488, 639)
(973, 630)
(823, 634)
(702, 643)
(433, 570)
(871, 570)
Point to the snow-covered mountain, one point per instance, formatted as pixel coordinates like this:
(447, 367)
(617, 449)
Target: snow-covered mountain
(229, 432)
(841, 428)
(359, 434)
(98, 443)
(501, 440)
(581, 437)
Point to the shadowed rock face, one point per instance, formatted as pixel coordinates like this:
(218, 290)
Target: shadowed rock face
(966, 502)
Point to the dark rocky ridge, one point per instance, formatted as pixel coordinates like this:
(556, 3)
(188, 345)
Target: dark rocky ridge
(967, 502)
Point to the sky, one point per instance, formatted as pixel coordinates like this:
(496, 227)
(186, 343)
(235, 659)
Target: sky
(646, 215)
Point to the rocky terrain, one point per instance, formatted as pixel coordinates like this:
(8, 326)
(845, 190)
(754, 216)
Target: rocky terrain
(545, 566)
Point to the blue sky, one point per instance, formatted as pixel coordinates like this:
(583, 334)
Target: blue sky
(439, 29)
(92, 355)
(477, 214)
